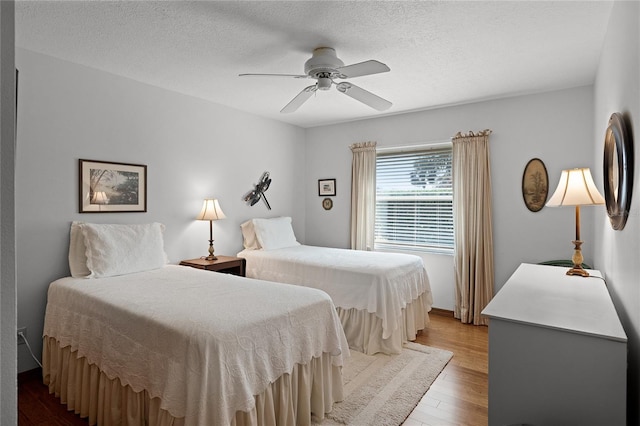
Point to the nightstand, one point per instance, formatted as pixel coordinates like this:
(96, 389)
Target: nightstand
(225, 264)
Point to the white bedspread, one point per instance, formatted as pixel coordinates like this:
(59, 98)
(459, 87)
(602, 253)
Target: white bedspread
(380, 283)
(204, 342)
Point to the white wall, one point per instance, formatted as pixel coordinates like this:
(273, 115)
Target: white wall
(8, 341)
(193, 149)
(555, 127)
(617, 254)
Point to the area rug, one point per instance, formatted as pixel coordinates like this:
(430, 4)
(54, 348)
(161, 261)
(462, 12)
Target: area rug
(382, 390)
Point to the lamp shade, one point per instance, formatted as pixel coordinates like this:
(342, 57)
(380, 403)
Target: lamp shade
(576, 188)
(211, 210)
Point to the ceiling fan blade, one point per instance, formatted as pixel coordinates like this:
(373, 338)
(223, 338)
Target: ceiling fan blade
(367, 98)
(299, 99)
(362, 68)
(274, 75)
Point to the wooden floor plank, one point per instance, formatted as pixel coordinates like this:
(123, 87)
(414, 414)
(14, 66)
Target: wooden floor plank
(37, 407)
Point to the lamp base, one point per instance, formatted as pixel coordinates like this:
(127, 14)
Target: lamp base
(211, 255)
(577, 261)
(577, 270)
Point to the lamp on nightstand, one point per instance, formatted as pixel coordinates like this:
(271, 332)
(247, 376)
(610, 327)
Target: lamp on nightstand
(576, 188)
(211, 211)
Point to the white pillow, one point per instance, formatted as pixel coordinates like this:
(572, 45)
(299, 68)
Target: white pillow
(123, 249)
(77, 256)
(249, 239)
(275, 233)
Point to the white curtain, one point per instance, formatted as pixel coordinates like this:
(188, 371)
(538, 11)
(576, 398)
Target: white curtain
(473, 263)
(363, 195)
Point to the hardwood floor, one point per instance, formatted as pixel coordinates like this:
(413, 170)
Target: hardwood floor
(459, 396)
(36, 407)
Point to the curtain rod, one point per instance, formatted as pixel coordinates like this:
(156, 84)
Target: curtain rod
(416, 147)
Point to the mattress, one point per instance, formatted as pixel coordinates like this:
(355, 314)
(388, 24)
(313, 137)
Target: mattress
(202, 343)
(382, 284)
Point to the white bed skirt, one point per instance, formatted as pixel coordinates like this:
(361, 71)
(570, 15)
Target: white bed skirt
(291, 400)
(364, 329)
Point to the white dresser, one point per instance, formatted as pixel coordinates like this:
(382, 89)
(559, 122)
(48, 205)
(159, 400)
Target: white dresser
(557, 351)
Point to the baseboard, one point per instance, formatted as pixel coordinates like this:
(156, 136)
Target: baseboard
(441, 312)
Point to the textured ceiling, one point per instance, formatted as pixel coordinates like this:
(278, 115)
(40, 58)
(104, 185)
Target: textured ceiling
(440, 52)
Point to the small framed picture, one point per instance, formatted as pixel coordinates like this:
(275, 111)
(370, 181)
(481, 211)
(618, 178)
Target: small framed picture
(107, 187)
(326, 187)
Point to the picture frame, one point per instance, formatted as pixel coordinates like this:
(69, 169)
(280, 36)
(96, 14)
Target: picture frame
(327, 204)
(109, 187)
(535, 185)
(326, 187)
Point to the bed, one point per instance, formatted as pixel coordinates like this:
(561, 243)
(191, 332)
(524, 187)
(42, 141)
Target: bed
(173, 345)
(382, 299)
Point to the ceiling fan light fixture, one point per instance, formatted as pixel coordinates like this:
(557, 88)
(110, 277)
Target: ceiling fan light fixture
(324, 83)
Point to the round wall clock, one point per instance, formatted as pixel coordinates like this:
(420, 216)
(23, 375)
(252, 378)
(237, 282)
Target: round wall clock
(327, 203)
(618, 171)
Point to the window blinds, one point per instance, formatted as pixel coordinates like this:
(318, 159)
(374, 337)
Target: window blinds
(414, 200)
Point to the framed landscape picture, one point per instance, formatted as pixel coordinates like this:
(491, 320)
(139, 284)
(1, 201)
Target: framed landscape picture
(108, 187)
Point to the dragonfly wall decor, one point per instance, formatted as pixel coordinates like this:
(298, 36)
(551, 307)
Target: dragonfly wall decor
(253, 196)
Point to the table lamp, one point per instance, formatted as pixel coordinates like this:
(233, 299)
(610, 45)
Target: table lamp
(576, 188)
(211, 211)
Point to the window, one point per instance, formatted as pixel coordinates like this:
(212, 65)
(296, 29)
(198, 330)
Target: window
(414, 200)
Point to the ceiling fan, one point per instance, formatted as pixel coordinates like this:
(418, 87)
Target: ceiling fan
(325, 67)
